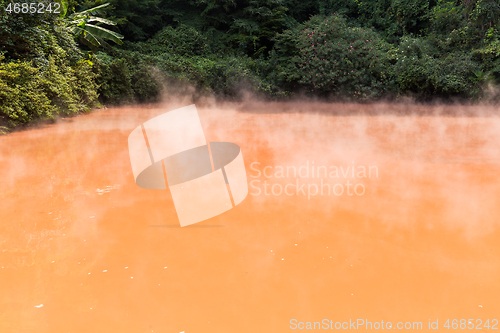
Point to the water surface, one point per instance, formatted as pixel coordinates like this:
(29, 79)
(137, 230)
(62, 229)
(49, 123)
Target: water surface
(83, 249)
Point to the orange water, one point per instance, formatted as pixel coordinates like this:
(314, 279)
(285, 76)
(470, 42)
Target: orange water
(103, 255)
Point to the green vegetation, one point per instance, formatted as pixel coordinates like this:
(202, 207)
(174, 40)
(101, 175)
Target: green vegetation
(361, 50)
(89, 34)
(43, 72)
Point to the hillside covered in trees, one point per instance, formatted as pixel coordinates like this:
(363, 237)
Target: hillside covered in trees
(128, 51)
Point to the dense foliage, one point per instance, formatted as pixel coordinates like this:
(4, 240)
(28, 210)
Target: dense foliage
(43, 73)
(356, 49)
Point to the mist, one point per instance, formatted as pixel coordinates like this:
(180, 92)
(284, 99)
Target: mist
(74, 218)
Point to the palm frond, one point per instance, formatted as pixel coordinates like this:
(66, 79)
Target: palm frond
(88, 11)
(104, 33)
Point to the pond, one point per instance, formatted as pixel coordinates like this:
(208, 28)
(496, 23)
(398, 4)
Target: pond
(376, 212)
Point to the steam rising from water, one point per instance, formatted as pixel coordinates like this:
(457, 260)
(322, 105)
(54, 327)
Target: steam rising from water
(68, 196)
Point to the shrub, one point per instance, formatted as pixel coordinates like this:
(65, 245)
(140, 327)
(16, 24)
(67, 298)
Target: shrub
(114, 79)
(28, 93)
(335, 58)
(182, 40)
(22, 95)
(418, 69)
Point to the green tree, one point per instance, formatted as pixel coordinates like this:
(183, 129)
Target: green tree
(336, 58)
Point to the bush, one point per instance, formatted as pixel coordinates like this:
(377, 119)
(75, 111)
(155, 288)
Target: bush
(22, 95)
(114, 79)
(335, 58)
(42, 73)
(183, 40)
(28, 93)
(418, 70)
